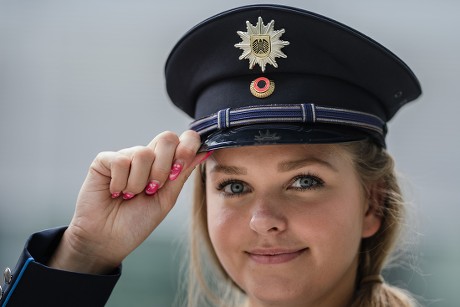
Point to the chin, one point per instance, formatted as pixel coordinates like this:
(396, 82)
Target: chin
(276, 294)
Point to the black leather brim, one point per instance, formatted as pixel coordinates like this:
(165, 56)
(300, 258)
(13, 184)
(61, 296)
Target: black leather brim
(270, 134)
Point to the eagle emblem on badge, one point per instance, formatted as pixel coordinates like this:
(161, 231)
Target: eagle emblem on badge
(261, 44)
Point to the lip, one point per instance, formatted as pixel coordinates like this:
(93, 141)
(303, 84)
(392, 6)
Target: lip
(274, 256)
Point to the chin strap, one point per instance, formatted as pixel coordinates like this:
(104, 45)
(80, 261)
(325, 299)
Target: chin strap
(306, 113)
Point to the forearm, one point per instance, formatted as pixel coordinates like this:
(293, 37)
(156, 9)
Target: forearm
(35, 283)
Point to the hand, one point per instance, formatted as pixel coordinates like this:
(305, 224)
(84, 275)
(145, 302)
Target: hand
(125, 196)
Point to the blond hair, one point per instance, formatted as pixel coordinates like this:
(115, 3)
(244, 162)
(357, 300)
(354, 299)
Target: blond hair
(209, 285)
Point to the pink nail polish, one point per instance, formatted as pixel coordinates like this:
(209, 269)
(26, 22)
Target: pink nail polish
(127, 196)
(152, 187)
(175, 171)
(208, 154)
(115, 195)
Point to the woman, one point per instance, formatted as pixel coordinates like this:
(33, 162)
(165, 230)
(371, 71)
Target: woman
(296, 201)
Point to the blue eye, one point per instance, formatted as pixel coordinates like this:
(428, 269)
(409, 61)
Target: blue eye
(233, 188)
(307, 182)
(236, 187)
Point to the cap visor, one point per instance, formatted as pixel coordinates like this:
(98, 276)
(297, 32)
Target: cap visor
(267, 134)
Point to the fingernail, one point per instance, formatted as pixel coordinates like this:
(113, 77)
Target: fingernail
(152, 187)
(115, 195)
(127, 196)
(175, 171)
(208, 154)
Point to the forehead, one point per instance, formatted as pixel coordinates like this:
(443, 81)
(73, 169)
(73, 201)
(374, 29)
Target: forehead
(332, 153)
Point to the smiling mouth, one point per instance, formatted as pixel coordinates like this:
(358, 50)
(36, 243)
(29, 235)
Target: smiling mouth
(274, 257)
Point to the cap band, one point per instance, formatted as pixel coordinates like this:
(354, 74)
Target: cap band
(287, 113)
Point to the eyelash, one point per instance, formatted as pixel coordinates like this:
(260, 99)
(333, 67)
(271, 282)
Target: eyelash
(222, 185)
(318, 184)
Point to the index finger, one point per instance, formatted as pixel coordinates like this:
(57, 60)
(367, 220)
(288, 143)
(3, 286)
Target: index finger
(186, 151)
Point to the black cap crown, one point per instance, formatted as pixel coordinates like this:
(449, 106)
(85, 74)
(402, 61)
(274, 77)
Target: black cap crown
(275, 74)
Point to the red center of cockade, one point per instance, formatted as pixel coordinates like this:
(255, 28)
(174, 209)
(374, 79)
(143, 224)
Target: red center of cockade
(261, 84)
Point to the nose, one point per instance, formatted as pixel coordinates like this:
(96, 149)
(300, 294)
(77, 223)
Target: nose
(266, 219)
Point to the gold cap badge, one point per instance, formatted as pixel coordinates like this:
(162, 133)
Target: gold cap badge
(261, 44)
(262, 87)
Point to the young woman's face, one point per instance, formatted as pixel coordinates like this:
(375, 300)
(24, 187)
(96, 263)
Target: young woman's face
(286, 222)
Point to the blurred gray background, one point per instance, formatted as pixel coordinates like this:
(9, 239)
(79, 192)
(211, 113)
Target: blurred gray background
(79, 77)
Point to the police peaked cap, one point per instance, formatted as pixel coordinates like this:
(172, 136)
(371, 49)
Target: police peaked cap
(270, 74)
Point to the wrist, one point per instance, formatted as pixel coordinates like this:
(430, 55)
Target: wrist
(80, 258)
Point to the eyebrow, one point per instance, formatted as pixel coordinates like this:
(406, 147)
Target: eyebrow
(293, 165)
(229, 170)
(285, 166)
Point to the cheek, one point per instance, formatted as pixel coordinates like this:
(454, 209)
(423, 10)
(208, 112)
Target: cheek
(226, 231)
(219, 217)
(224, 226)
(338, 226)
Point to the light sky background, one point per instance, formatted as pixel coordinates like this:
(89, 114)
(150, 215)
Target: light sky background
(80, 77)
